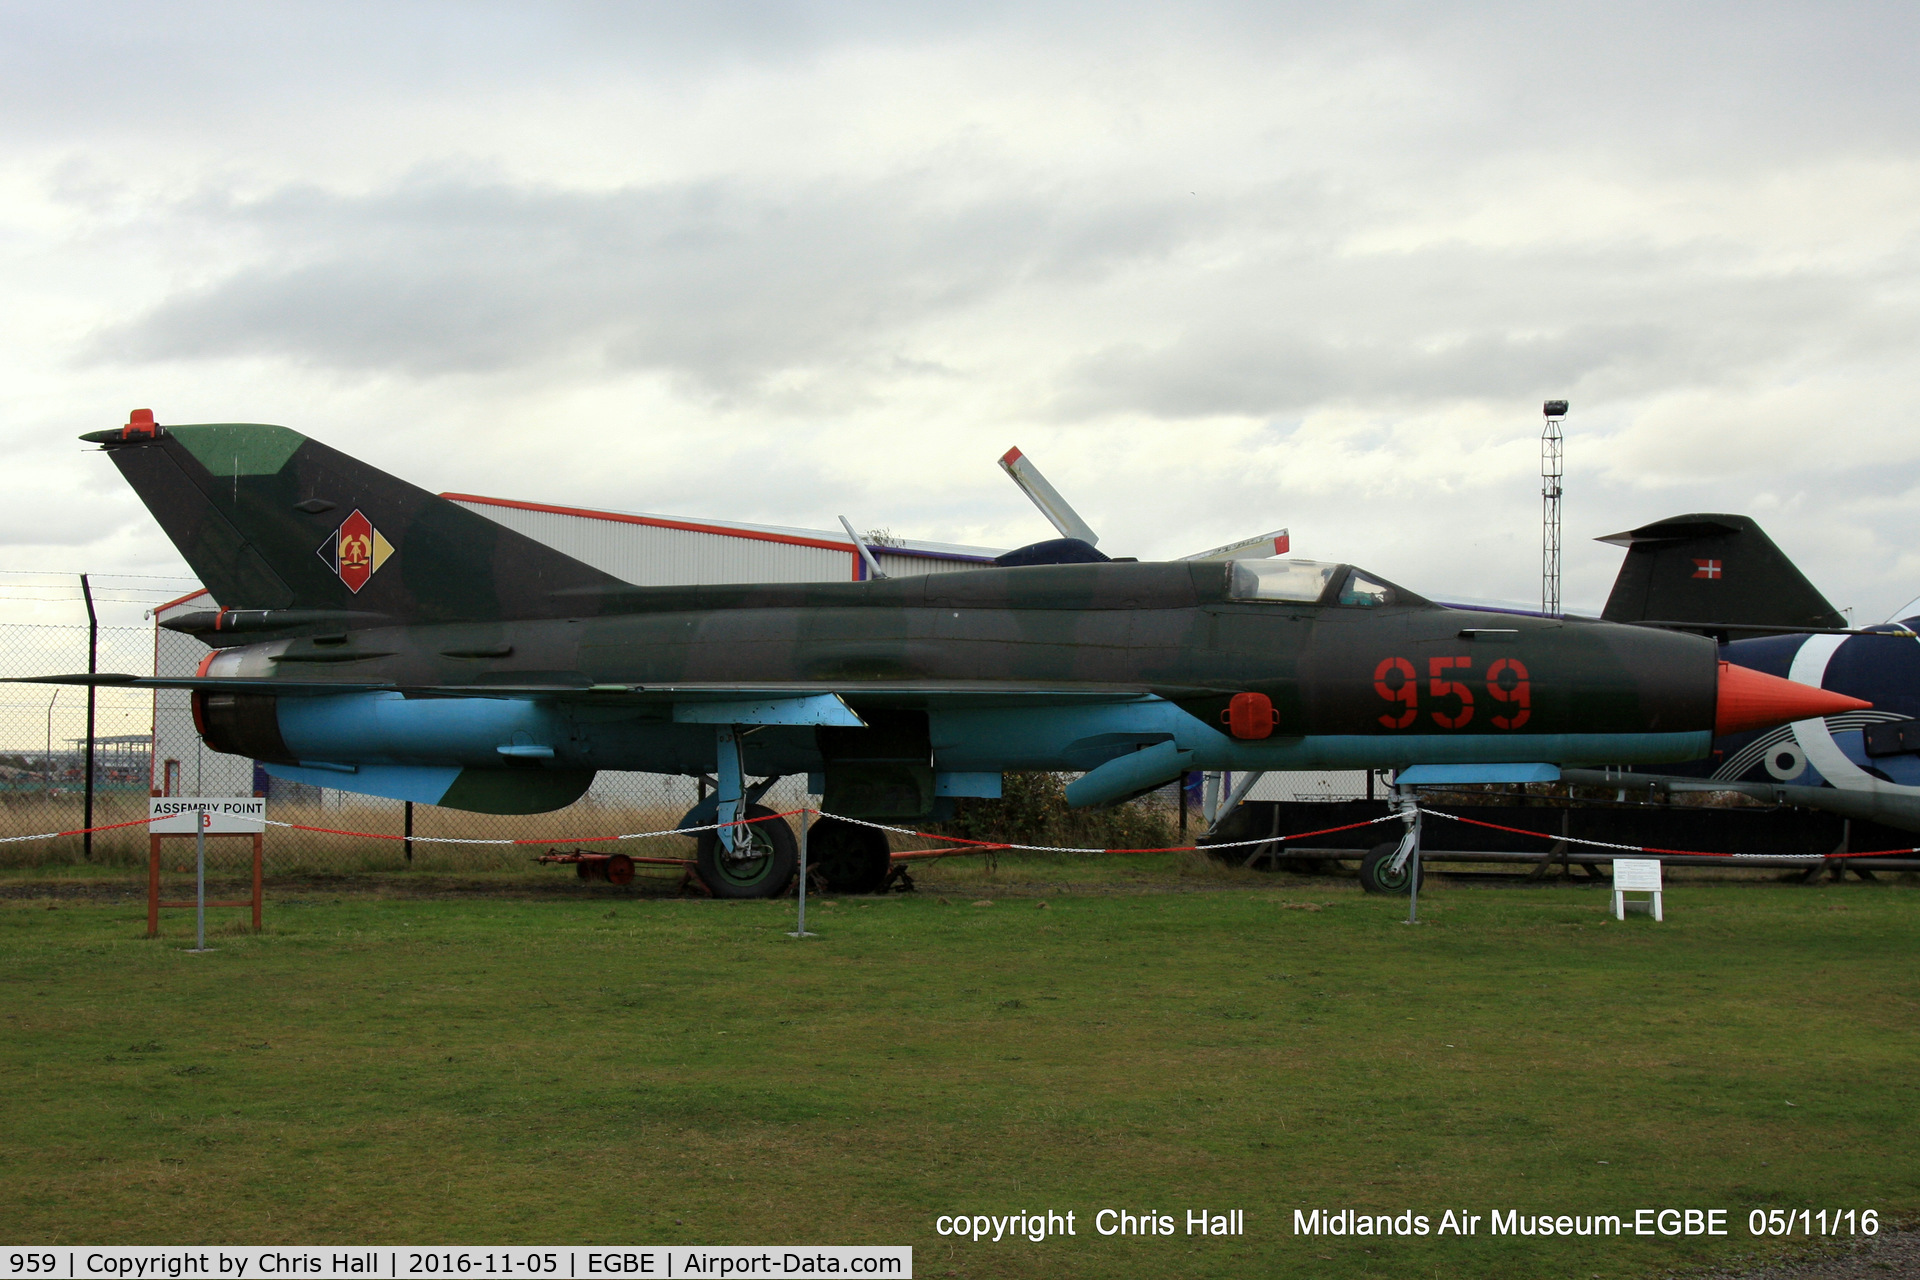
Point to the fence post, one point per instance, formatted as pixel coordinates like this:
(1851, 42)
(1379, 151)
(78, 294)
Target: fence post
(153, 879)
(409, 830)
(93, 667)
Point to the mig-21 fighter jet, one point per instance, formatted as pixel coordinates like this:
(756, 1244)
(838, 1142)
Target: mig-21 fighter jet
(375, 638)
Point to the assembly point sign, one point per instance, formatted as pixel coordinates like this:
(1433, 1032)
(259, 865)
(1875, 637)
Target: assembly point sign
(216, 815)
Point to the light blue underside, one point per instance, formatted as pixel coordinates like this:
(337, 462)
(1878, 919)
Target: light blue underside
(1129, 775)
(422, 784)
(818, 709)
(978, 786)
(1434, 775)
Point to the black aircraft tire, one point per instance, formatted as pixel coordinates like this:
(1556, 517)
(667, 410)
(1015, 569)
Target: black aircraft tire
(1374, 876)
(843, 857)
(765, 871)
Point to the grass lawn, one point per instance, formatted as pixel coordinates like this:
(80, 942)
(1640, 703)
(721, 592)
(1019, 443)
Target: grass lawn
(626, 1068)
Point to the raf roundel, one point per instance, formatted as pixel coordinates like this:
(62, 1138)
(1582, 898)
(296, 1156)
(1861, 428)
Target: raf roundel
(355, 551)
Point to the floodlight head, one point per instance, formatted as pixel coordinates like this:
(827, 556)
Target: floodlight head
(1555, 408)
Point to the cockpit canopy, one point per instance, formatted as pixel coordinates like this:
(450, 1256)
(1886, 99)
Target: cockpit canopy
(1313, 582)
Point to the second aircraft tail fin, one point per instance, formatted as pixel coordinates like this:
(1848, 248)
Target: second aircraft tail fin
(1717, 572)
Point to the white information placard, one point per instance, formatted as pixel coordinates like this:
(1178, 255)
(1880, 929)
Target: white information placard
(1636, 875)
(216, 815)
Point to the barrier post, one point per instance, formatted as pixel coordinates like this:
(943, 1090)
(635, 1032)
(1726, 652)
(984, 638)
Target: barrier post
(800, 926)
(93, 667)
(259, 857)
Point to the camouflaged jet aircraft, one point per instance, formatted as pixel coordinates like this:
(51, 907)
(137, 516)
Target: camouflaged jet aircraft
(373, 637)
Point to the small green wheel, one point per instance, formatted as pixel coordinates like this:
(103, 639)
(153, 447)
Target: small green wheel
(1376, 873)
(760, 864)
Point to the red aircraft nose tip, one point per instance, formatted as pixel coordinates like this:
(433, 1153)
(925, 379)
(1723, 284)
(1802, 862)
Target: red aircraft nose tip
(1750, 699)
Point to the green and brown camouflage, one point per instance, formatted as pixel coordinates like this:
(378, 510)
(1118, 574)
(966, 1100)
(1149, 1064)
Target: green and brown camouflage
(373, 636)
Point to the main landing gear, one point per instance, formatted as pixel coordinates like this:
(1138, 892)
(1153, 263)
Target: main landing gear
(844, 857)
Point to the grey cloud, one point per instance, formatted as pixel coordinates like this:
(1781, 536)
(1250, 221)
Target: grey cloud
(90, 64)
(1705, 82)
(725, 288)
(718, 285)
(1451, 323)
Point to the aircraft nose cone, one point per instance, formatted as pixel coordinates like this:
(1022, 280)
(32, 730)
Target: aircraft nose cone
(1750, 699)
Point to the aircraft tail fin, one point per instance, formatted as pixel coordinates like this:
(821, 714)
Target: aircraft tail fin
(271, 520)
(1718, 572)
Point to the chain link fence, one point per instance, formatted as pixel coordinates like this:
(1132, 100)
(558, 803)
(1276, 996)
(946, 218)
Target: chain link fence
(43, 738)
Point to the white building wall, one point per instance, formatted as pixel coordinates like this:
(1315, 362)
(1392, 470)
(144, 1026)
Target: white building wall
(895, 565)
(653, 556)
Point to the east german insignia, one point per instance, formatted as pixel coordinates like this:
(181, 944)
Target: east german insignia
(355, 551)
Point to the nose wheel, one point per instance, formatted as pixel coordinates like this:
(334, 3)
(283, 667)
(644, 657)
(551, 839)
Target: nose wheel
(1376, 870)
(760, 864)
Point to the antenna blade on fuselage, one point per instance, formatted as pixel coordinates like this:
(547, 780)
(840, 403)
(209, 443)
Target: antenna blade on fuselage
(1047, 498)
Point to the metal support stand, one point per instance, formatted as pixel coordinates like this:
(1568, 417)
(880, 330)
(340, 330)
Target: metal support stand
(800, 926)
(1552, 467)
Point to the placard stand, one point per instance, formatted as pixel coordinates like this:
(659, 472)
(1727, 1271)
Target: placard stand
(154, 902)
(1636, 875)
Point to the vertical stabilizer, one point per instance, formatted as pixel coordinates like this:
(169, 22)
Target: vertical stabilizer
(269, 519)
(1717, 572)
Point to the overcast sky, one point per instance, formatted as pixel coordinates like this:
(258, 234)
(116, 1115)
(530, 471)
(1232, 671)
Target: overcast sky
(1217, 269)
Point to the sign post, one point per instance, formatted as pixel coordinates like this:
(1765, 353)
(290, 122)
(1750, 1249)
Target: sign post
(201, 816)
(200, 882)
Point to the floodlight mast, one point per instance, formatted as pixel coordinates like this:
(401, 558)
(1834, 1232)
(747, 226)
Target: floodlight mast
(1551, 469)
